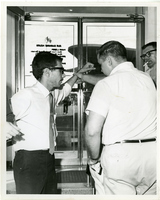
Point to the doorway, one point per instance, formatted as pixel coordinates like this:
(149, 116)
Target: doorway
(76, 42)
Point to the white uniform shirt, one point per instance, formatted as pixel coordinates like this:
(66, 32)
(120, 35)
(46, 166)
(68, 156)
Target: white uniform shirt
(31, 109)
(152, 72)
(127, 99)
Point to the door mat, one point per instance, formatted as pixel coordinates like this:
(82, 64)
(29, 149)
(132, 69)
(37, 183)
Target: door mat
(74, 176)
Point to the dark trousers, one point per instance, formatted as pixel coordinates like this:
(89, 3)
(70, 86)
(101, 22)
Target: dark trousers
(34, 172)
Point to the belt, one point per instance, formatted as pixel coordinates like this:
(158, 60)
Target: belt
(137, 141)
(33, 151)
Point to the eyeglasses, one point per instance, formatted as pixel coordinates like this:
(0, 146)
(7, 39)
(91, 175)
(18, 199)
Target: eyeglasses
(61, 68)
(148, 54)
(51, 68)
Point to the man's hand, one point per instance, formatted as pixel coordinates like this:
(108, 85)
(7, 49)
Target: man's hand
(11, 130)
(87, 68)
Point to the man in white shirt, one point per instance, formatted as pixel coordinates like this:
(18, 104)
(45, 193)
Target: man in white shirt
(149, 56)
(34, 165)
(122, 115)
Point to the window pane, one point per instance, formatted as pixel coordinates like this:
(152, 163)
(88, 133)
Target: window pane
(99, 33)
(55, 37)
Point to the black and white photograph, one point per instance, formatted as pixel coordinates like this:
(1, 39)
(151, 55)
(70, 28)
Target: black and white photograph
(79, 100)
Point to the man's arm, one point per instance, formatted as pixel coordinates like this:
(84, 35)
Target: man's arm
(66, 88)
(72, 80)
(93, 131)
(86, 68)
(92, 79)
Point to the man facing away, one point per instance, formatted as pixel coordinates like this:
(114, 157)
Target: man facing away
(34, 164)
(122, 115)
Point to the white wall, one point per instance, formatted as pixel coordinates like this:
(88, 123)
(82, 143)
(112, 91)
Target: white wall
(150, 24)
(10, 70)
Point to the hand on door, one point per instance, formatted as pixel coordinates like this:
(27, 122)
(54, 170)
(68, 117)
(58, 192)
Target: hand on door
(87, 68)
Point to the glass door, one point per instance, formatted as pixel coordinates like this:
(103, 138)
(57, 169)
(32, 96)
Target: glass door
(96, 34)
(76, 42)
(58, 37)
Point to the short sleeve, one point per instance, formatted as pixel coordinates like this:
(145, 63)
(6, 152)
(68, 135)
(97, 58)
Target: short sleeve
(100, 99)
(20, 102)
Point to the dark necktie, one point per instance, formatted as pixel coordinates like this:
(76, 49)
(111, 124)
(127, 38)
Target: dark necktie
(51, 125)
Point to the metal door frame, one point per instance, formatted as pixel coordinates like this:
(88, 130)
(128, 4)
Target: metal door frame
(19, 47)
(139, 20)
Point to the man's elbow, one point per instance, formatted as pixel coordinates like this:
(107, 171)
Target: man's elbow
(89, 132)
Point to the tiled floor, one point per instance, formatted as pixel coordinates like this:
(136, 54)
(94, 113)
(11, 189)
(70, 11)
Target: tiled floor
(10, 183)
(64, 188)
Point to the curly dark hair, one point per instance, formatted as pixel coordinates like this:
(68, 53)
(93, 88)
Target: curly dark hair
(43, 60)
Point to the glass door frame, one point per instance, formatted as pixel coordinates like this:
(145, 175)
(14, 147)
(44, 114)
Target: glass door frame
(14, 60)
(140, 41)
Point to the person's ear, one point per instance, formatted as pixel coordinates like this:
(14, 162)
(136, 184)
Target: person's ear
(109, 60)
(46, 72)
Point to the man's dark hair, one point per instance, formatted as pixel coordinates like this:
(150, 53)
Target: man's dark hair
(43, 60)
(113, 48)
(153, 44)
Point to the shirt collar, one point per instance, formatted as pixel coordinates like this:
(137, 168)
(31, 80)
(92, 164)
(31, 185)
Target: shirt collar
(122, 66)
(42, 88)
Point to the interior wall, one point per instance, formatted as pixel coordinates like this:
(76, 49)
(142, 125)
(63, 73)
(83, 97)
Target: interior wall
(10, 70)
(150, 24)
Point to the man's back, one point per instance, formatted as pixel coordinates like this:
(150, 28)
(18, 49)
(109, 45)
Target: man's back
(132, 107)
